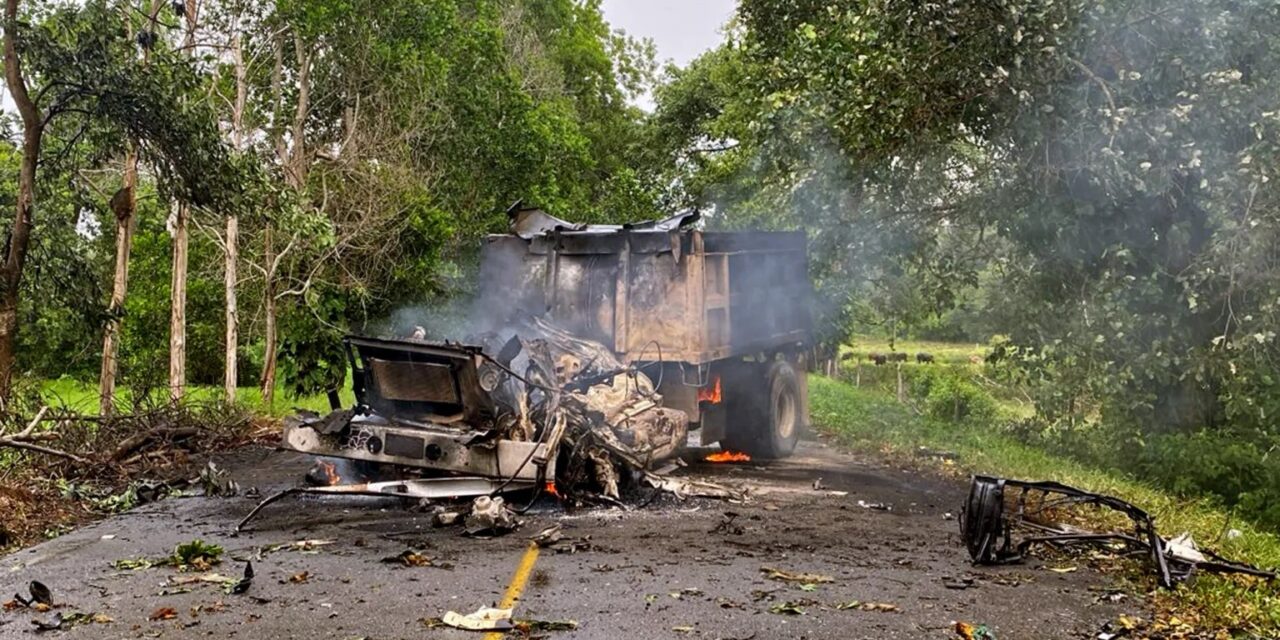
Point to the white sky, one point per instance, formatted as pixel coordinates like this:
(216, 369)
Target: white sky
(681, 29)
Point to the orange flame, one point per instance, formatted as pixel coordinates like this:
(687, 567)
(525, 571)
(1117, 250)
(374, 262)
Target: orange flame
(550, 489)
(330, 473)
(711, 392)
(728, 456)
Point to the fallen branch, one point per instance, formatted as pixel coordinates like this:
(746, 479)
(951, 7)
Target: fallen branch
(26, 440)
(138, 441)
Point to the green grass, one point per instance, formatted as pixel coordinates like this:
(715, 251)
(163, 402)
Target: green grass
(943, 352)
(870, 420)
(82, 397)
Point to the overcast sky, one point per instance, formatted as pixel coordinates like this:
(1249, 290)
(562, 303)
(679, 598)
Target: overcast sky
(681, 29)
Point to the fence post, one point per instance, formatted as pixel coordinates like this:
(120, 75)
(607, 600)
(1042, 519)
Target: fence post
(902, 392)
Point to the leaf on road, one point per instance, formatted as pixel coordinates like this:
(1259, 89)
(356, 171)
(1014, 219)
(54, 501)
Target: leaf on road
(163, 613)
(787, 608)
(789, 576)
(866, 606)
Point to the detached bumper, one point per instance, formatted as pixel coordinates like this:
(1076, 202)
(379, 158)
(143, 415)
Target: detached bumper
(438, 449)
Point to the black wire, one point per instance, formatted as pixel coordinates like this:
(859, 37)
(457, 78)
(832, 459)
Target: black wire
(661, 369)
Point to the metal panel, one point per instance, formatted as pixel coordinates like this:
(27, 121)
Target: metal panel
(414, 381)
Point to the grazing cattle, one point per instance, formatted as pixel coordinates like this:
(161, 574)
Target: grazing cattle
(897, 357)
(924, 358)
(878, 358)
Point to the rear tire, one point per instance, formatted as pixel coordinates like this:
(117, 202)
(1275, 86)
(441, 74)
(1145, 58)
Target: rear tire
(766, 411)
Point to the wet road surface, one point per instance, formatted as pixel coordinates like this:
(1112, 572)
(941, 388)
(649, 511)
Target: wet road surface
(673, 570)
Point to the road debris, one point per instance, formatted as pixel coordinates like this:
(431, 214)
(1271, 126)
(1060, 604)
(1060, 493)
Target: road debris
(528, 627)
(62, 621)
(490, 517)
(877, 506)
(197, 554)
(410, 558)
(969, 631)
(483, 619)
(217, 482)
(41, 598)
(792, 608)
(163, 613)
(246, 580)
(788, 576)
(1040, 513)
(446, 518)
(868, 606)
(548, 536)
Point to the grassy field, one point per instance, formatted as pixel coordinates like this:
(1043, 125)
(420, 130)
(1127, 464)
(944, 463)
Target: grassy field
(943, 352)
(82, 397)
(872, 421)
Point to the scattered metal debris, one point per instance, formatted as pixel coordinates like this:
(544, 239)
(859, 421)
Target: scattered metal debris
(490, 517)
(548, 536)
(1036, 513)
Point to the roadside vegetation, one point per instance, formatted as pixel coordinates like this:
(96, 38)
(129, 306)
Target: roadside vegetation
(985, 441)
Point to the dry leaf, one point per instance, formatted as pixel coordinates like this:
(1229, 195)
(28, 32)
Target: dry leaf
(787, 576)
(164, 613)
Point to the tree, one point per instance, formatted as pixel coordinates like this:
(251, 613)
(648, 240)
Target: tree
(124, 204)
(33, 124)
(73, 75)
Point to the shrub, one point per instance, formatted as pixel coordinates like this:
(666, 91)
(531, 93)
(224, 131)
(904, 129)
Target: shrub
(949, 394)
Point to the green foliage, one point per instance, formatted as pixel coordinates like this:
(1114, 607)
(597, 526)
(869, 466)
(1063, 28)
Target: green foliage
(196, 554)
(949, 393)
(312, 359)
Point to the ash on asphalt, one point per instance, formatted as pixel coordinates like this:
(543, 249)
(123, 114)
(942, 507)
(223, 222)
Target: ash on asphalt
(673, 570)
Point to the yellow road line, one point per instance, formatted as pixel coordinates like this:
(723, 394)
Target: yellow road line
(516, 587)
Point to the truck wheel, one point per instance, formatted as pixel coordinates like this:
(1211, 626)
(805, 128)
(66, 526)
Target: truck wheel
(767, 417)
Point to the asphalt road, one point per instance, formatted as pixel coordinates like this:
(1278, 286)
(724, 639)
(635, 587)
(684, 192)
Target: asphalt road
(670, 570)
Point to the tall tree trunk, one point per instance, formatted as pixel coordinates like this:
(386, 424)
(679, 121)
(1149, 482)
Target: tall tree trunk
(181, 236)
(269, 361)
(124, 205)
(20, 233)
(231, 372)
(294, 161)
(231, 270)
(178, 305)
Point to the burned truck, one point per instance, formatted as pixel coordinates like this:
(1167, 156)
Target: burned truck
(597, 350)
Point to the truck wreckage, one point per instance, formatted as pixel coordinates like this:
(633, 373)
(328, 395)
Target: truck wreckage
(600, 349)
(999, 511)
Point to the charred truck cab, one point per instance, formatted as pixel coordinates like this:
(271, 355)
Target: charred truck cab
(632, 336)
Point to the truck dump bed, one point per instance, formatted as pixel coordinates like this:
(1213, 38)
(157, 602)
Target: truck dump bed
(657, 293)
